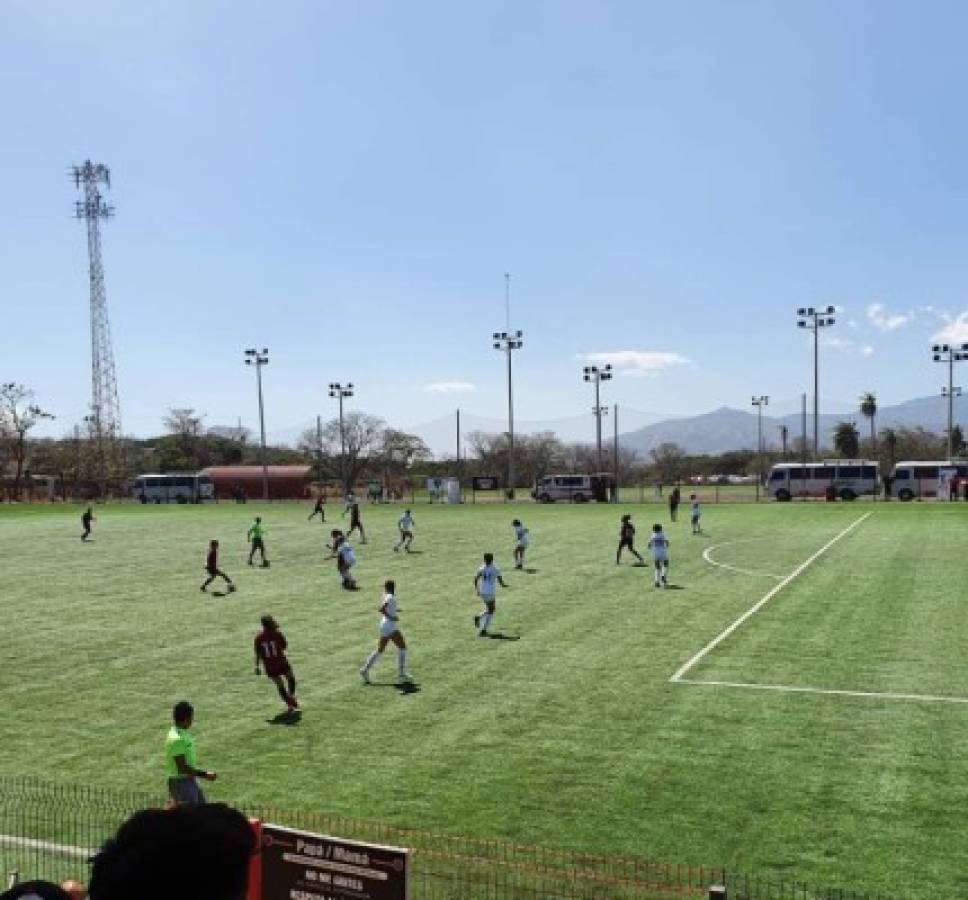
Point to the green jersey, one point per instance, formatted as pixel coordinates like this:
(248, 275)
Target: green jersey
(179, 743)
(256, 531)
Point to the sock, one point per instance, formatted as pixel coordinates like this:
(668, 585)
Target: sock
(485, 621)
(370, 660)
(282, 693)
(401, 662)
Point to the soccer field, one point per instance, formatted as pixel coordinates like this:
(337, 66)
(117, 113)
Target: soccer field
(822, 735)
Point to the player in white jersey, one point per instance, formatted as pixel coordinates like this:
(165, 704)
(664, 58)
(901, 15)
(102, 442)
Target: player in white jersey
(522, 540)
(345, 559)
(389, 631)
(659, 545)
(694, 513)
(486, 580)
(405, 524)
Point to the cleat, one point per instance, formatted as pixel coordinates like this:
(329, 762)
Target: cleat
(482, 633)
(365, 676)
(477, 621)
(203, 590)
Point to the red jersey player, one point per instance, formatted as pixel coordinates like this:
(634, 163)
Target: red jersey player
(211, 566)
(270, 651)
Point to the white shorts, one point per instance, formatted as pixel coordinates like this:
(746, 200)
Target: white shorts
(388, 628)
(523, 544)
(660, 558)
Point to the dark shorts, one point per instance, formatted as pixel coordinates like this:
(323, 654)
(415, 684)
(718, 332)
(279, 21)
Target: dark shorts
(183, 789)
(626, 542)
(276, 668)
(258, 544)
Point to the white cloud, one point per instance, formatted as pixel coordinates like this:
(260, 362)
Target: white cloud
(867, 350)
(955, 330)
(881, 319)
(638, 363)
(450, 387)
(834, 342)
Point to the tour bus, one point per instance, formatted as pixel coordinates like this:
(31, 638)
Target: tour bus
(849, 479)
(174, 488)
(920, 478)
(576, 488)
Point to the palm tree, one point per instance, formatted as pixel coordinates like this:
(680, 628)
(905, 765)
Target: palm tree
(868, 409)
(847, 440)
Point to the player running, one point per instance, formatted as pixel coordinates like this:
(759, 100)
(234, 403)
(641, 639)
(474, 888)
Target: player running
(256, 537)
(319, 509)
(86, 521)
(659, 545)
(485, 583)
(356, 523)
(345, 558)
(270, 650)
(389, 631)
(211, 566)
(626, 541)
(405, 524)
(522, 540)
(694, 514)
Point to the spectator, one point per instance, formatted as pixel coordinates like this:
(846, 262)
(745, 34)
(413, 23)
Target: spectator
(188, 852)
(37, 890)
(181, 758)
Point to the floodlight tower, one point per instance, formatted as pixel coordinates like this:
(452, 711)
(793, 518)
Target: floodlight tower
(596, 376)
(946, 353)
(813, 320)
(105, 407)
(260, 358)
(339, 391)
(759, 403)
(507, 342)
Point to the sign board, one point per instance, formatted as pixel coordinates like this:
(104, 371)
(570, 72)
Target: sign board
(485, 483)
(299, 865)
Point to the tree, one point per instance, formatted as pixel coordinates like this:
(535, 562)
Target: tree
(784, 437)
(362, 434)
(17, 417)
(957, 440)
(868, 409)
(847, 440)
(668, 458)
(398, 451)
(889, 447)
(184, 448)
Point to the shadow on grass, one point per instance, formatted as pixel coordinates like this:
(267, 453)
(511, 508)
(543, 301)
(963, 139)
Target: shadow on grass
(402, 687)
(501, 636)
(290, 717)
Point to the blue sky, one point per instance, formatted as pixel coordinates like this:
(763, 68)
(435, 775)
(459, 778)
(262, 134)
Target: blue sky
(346, 183)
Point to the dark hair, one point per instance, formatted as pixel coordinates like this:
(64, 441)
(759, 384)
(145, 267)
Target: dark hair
(183, 711)
(515, 521)
(47, 890)
(657, 528)
(489, 558)
(191, 851)
(626, 517)
(269, 623)
(389, 585)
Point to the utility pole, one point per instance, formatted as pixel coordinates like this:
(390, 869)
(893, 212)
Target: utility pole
(596, 376)
(946, 353)
(259, 359)
(615, 452)
(105, 407)
(813, 320)
(508, 341)
(339, 391)
(319, 447)
(759, 403)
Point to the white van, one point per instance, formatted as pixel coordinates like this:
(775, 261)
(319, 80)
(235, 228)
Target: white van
(849, 479)
(576, 488)
(921, 478)
(174, 488)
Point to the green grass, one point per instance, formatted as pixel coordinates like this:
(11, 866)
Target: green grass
(573, 735)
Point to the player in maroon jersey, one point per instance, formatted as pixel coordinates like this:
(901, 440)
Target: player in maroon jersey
(626, 540)
(211, 566)
(270, 651)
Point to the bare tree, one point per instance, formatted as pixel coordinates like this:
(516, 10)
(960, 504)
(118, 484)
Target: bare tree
(668, 459)
(17, 417)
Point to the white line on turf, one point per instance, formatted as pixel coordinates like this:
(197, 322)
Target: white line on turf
(791, 689)
(756, 607)
(707, 555)
(19, 843)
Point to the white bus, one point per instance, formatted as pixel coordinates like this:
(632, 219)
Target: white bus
(848, 478)
(178, 487)
(576, 488)
(921, 478)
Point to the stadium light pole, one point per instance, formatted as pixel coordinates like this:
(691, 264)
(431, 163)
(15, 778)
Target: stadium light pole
(507, 342)
(759, 403)
(950, 354)
(596, 376)
(813, 320)
(339, 391)
(260, 358)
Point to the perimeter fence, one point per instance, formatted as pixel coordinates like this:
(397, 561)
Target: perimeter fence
(50, 831)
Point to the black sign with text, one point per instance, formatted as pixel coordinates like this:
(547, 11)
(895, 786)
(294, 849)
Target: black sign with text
(485, 483)
(299, 865)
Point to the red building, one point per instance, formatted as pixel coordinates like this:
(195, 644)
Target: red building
(285, 482)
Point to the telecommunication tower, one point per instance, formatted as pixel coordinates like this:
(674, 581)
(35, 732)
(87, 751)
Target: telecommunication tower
(105, 408)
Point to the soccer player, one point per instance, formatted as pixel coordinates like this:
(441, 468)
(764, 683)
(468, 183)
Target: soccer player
(485, 583)
(345, 559)
(405, 524)
(674, 499)
(389, 631)
(355, 523)
(659, 545)
(86, 521)
(522, 539)
(626, 540)
(319, 509)
(211, 566)
(181, 761)
(256, 537)
(270, 651)
(694, 513)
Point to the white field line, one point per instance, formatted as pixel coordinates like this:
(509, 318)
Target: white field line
(766, 598)
(790, 689)
(20, 843)
(707, 555)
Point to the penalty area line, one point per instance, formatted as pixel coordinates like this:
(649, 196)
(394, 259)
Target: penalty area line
(20, 843)
(830, 692)
(766, 598)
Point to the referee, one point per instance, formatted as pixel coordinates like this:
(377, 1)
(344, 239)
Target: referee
(257, 536)
(181, 762)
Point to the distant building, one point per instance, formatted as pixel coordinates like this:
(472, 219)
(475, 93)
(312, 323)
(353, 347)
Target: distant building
(285, 482)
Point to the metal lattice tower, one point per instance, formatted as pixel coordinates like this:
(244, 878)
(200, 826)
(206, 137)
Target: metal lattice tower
(105, 408)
